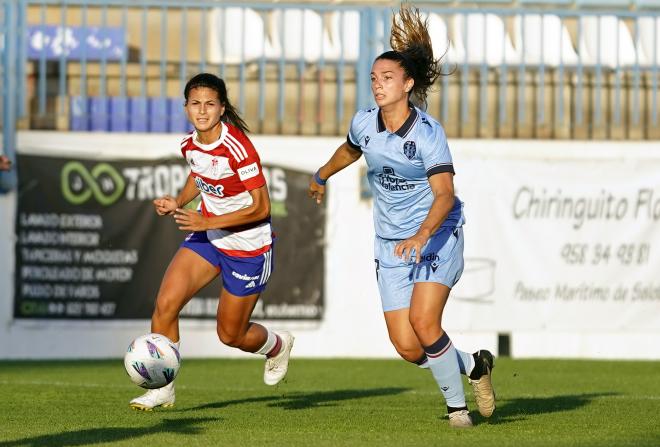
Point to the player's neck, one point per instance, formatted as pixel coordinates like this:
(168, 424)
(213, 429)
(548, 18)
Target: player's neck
(209, 136)
(395, 115)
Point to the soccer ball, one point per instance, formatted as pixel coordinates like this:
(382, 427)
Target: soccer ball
(152, 361)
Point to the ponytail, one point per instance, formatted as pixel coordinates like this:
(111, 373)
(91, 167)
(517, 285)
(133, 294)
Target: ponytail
(232, 117)
(412, 49)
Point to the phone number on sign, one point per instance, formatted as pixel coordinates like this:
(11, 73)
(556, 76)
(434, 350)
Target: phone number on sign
(600, 254)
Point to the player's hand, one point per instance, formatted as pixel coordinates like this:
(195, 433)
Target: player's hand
(405, 248)
(5, 163)
(165, 205)
(316, 191)
(190, 220)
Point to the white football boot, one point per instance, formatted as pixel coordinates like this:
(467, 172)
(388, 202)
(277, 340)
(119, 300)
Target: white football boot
(460, 419)
(482, 387)
(160, 397)
(277, 366)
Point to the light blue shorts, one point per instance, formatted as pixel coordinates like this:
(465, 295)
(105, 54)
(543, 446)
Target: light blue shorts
(442, 262)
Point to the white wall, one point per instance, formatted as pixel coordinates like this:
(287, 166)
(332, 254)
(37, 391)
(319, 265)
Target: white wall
(353, 324)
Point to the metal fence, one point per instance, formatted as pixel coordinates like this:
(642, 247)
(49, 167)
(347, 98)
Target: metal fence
(12, 21)
(518, 72)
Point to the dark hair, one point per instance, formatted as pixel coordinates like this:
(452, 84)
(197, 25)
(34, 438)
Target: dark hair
(412, 49)
(213, 82)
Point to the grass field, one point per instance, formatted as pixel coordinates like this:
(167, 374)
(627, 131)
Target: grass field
(329, 403)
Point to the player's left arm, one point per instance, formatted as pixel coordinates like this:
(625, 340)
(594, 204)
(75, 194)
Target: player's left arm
(442, 186)
(259, 210)
(439, 167)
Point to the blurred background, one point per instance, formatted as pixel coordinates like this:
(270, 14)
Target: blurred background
(551, 110)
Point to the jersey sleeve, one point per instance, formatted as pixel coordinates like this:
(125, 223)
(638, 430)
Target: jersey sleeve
(247, 164)
(184, 144)
(355, 132)
(435, 152)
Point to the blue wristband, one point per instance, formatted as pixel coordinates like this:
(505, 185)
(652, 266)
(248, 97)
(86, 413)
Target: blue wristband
(319, 180)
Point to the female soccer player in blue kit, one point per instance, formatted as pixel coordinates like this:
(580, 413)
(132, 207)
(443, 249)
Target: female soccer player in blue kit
(418, 219)
(230, 234)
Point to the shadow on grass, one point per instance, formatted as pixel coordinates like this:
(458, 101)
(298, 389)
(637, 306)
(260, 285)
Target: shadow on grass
(300, 401)
(516, 409)
(184, 426)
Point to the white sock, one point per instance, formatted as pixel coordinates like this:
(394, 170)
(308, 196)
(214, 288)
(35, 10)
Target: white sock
(272, 342)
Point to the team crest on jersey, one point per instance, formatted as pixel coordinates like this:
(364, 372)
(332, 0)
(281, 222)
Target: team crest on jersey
(409, 149)
(366, 140)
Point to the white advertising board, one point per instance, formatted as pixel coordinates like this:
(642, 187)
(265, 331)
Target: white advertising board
(560, 236)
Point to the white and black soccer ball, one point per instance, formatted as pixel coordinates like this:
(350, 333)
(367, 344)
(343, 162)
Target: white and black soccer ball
(152, 361)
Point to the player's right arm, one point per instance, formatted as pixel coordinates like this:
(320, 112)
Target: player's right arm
(343, 156)
(167, 204)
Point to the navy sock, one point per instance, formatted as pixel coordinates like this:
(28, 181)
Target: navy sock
(422, 362)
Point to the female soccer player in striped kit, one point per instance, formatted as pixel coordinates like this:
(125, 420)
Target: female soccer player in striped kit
(418, 219)
(230, 234)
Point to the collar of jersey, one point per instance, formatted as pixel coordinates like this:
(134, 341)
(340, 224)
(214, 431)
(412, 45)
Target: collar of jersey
(215, 144)
(405, 128)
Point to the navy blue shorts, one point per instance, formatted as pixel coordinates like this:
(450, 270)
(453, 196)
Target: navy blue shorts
(240, 276)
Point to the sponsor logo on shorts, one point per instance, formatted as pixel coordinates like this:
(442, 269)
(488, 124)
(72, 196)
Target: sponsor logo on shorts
(430, 257)
(243, 277)
(250, 284)
(248, 171)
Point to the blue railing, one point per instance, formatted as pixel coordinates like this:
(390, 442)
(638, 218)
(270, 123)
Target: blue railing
(594, 30)
(117, 65)
(274, 52)
(12, 76)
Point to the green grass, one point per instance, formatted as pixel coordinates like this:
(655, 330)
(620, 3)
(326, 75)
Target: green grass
(329, 403)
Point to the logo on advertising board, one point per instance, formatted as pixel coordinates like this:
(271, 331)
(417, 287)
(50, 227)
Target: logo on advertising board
(106, 184)
(102, 182)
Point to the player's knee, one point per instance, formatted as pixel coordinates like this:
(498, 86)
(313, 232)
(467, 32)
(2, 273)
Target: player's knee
(407, 352)
(409, 355)
(423, 324)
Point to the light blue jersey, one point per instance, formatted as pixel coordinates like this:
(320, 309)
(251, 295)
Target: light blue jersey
(400, 164)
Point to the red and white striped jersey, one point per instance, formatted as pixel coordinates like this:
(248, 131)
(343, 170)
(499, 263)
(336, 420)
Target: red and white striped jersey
(224, 172)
